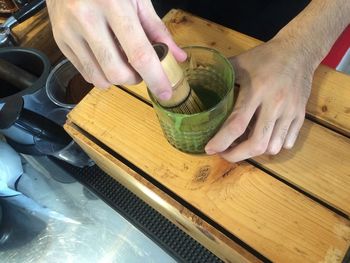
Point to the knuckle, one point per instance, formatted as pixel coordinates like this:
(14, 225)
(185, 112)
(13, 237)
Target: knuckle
(103, 54)
(273, 150)
(289, 115)
(100, 82)
(117, 76)
(88, 69)
(255, 95)
(238, 126)
(279, 97)
(295, 100)
(74, 7)
(261, 81)
(140, 58)
(267, 127)
(82, 12)
(88, 18)
(258, 149)
(260, 86)
(283, 134)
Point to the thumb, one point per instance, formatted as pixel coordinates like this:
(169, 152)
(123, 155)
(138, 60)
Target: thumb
(156, 30)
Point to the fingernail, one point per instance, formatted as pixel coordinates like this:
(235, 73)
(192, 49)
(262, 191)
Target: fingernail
(165, 95)
(183, 55)
(209, 151)
(288, 146)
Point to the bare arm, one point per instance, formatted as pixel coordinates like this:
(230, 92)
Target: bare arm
(314, 30)
(275, 80)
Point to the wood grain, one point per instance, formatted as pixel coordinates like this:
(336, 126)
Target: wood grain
(320, 161)
(207, 235)
(319, 164)
(274, 219)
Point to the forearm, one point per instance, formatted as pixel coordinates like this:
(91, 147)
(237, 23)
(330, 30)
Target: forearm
(313, 32)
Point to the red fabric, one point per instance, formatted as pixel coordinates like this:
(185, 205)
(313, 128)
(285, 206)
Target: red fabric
(338, 50)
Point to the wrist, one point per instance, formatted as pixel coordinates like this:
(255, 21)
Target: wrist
(313, 32)
(303, 51)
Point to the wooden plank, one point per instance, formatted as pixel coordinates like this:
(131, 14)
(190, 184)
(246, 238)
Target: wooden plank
(274, 219)
(319, 164)
(320, 161)
(207, 235)
(329, 99)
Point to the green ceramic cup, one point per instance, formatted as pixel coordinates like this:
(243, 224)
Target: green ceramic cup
(211, 76)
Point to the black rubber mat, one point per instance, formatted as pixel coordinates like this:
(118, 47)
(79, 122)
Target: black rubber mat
(347, 257)
(164, 233)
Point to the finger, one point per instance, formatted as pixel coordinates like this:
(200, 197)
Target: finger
(157, 31)
(240, 72)
(236, 123)
(293, 131)
(69, 54)
(109, 57)
(258, 142)
(279, 135)
(138, 49)
(88, 61)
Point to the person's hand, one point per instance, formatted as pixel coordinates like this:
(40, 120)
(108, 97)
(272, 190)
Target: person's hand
(109, 42)
(275, 83)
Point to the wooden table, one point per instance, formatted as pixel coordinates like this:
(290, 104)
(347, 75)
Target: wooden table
(293, 207)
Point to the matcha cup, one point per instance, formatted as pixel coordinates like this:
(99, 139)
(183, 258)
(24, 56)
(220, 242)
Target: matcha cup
(211, 76)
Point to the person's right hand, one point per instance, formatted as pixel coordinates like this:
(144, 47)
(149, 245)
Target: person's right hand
(109, 42)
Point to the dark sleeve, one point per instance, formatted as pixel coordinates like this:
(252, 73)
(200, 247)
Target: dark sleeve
(256, 18)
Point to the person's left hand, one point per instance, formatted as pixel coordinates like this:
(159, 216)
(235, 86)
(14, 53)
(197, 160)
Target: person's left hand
(275, 82)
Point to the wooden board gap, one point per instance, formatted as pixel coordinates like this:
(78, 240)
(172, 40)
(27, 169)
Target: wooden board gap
(171, 194)
(328, 125)
(319, 201)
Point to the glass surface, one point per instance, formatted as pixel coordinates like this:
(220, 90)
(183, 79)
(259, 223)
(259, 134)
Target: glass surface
(58, 81)
(211, 76)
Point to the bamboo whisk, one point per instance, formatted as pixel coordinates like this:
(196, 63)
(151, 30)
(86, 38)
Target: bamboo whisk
(184, 100)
